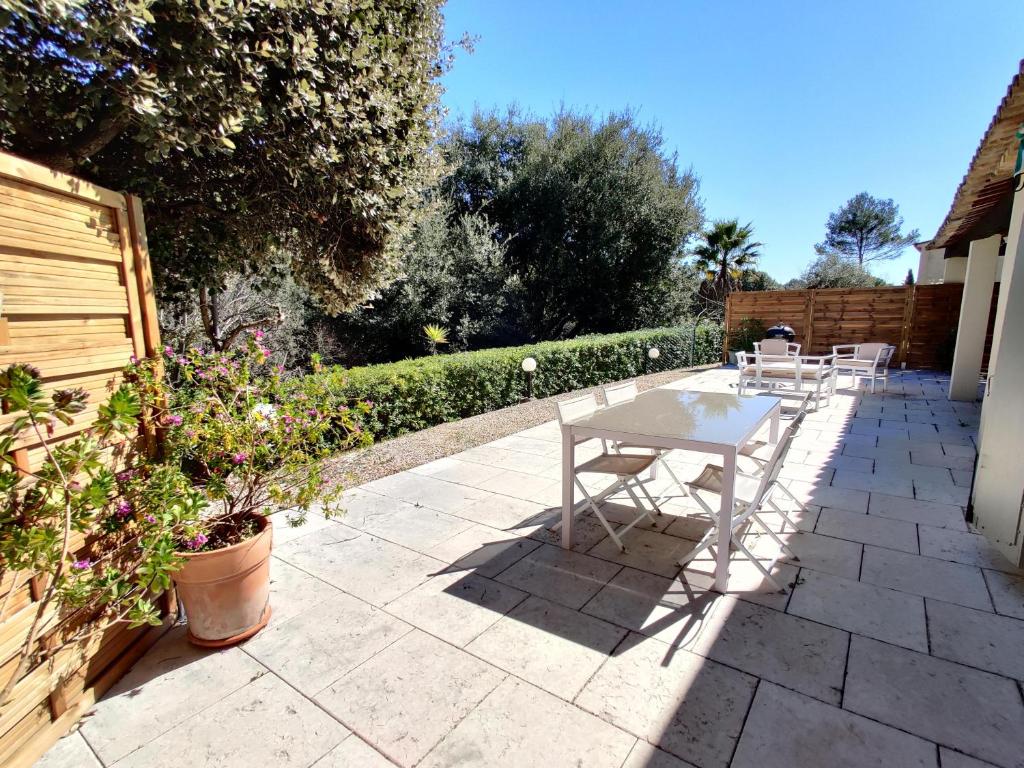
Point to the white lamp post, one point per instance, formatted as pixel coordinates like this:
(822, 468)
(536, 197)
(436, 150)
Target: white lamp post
(529, 365)
(652, 354)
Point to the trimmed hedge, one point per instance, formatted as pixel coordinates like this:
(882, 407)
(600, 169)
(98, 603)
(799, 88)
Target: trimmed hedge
(419, 393)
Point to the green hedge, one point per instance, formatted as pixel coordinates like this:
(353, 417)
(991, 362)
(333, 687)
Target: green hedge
(415, 394)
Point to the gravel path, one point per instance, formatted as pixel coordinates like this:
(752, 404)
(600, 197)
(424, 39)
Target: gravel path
(400, 453)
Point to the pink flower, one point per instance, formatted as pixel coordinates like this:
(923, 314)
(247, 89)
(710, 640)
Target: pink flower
(82, 565)
(133, 360)
(239, 458)
(150, 519)
(197, 541)
(123, 509)
(172, 419)
(259, 334)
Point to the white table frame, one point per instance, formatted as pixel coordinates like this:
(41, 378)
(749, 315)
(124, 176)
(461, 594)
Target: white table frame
(728, 452)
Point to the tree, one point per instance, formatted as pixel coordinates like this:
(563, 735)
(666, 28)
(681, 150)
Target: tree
(758, 280)
(832, 271)
(592, 214)
(909, 280)
(727, 251)
(251, 129)
(866, 229)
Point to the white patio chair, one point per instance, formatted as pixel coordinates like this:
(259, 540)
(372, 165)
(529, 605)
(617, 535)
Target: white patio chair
(626, 468)
(752, 494)
(615, 394)
(869, 359)
(779, 347)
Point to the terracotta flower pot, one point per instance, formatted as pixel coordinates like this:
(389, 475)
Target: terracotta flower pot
(226, 592)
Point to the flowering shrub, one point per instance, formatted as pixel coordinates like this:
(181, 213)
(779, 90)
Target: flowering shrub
(133, 518)
(252, 443)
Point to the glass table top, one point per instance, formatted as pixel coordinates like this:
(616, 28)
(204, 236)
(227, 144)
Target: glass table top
(707, 417)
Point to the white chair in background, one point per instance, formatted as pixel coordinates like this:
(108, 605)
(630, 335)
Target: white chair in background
(614, 394)
(869, 359)
(779, 347)
(625, 468)
(812, 373)
(752, 495)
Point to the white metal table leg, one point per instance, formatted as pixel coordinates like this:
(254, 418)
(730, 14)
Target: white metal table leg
(725, 520)
(568, 475)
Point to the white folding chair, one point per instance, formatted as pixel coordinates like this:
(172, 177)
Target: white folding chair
(794, 404)
(626, 468)
(615, 394)
(752, 494)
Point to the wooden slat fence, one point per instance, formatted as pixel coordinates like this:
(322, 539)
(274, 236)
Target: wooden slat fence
(77, 302)
(921, 320)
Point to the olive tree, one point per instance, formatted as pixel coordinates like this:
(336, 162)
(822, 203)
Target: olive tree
(252, 129)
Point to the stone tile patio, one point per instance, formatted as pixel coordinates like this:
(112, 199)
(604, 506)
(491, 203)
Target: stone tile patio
(439, 624)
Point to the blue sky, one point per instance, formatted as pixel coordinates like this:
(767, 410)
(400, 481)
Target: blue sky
(784, 109)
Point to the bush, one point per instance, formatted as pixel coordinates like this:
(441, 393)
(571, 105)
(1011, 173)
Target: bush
(415, 394)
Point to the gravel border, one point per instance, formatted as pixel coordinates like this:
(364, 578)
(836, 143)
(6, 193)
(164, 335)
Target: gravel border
(407, 451)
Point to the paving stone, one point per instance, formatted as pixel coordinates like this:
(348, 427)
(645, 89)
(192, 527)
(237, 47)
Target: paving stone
(975, 712)
(670, 610)
(520, 726)
(925, 576)
(977, 638)
(285, 531)
(368, 567)
(799, 654)
(967, 548)
(426, 491)
(456, 606)
(405, 699)
(951, 759)
(884, 483)
(938, 458)
(264, 723)
(453, 470)
(416, 528)
(293, 591)
(503, 512)
(945, 492)
(549, 645)
(69, 752)
(646, 550)
(865, 609)
(1007, 593)
(685, 704)
(745, 581)
(483, 550)
(868, 529)
(917, 511)
(786, 729)
(353, 752)
(317, 647)
(646, 756)
(565, 577)
(359, 507)
(168, 685)
(819, 553)
(829, 496)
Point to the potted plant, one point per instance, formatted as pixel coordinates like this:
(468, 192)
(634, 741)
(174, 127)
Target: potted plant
(99, 543)
(742, 338)
(252, 442)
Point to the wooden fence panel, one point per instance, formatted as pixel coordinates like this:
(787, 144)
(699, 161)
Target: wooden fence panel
(76, 301)
(920, 321)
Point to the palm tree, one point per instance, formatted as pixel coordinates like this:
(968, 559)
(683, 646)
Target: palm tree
(727, 251)
(435, 335)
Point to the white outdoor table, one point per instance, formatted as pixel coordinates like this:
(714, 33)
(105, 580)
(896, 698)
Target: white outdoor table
(708, 422)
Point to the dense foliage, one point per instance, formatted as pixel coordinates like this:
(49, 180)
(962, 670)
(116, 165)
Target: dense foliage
(414, 394)
(250, 128)
(134, 518)
(832, 271)
(866, 229)
(238, 428)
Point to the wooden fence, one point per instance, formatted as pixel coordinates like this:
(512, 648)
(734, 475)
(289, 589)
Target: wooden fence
(77, 303)
(921, 321)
